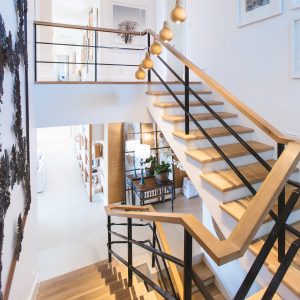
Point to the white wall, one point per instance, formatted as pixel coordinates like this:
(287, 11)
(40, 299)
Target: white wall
(71, 104)
(253, 62)
(26, 269)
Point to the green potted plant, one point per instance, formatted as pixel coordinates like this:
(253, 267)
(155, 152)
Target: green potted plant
(162, 171)
(150, 165)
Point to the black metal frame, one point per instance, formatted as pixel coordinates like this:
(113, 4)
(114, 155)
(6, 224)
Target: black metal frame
(95, 46)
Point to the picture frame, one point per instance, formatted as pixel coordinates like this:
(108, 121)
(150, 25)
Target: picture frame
(252, 11)
(120, 13)
(295, 4)
(295, 49)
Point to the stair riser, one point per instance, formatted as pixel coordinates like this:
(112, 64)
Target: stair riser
(181, 98)
(237, 161)
(237, 193)
(205, 124)
(175, 87)
(204, 143)
(193, 109)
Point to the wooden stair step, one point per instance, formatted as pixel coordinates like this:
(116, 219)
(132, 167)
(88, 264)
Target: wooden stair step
(292, 277)
(214, 292)
(79, 272)
(198, 117)
(203, 272)
(260, 294)
(192, 104)
(237, 208)
(213, 132)
(208, 155)
(227, 180)
(159, 93)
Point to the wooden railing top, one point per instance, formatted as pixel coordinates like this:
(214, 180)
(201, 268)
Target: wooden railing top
(260, 122)
(242, 235)
(89, 28)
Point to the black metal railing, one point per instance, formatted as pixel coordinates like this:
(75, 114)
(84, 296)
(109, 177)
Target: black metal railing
(167, 290)
(96, 46)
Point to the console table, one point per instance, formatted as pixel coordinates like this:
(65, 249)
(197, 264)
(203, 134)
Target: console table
(151, 191)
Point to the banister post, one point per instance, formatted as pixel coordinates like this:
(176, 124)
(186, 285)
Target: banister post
(281, 206)
(188, 258)
(96, 56)
(35, 52)
(154, 244)
(149, 44)
(187, 100)
(129, 255)
(109, 238)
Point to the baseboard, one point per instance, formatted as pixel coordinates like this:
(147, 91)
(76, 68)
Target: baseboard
(35, 287)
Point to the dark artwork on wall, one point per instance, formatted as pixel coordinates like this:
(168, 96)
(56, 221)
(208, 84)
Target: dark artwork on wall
(14, 163)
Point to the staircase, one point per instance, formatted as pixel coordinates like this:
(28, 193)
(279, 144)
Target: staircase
(221, 189)
(100, 281)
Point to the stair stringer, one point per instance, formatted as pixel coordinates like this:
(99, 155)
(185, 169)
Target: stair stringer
(211, 200)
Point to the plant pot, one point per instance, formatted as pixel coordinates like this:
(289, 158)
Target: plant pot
(161, 178)
(149, 171)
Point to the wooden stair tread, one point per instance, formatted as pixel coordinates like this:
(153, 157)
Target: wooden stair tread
(237, 208)
(179, 93)
(227, 180)
(172, 82)
(213, 132)
(233, 150)
(292, 277)
(192, 104)
(214, 292)
(260, 294)
(203, 271)
(198, 117)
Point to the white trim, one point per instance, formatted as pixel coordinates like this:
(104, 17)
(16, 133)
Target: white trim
(295, 4)
(273, 9)
(295, 40)
(35, 287)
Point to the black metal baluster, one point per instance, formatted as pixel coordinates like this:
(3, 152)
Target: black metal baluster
(96, 56)
(187, 100)
(188, 256)
(153, 244)
(129, 257)
(109, 238)
(149, 44)
(281, 206)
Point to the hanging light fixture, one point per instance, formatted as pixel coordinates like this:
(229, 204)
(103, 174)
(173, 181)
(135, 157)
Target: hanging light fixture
(147, 63)
(178, 14)
(140, 74)
(156, 48)
(166, 33)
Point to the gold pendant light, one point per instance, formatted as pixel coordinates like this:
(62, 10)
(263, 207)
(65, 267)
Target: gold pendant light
(166, 33)
(156, 48)
(147, 62)
(178, 14)
(140, 74)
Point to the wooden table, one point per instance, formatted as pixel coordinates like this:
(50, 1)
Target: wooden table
(153, 190)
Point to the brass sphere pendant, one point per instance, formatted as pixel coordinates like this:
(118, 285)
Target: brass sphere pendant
(166, 33)
(147, 63)
(140, 74)
(178, 14)
(155, 48)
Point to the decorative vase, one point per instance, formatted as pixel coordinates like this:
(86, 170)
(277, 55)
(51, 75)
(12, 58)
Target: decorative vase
(161, 178)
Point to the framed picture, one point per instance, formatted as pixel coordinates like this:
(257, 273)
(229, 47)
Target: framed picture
(128, 18)
(251, 11)
(295, 4)
(295, 49)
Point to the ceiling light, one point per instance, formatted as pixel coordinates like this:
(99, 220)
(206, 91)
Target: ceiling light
(155, 48)
(140, 74)
(147, 63)
(178, 14)
(166, 33)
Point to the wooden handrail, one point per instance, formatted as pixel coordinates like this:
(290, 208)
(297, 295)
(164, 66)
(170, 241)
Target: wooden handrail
(89, 28)
(241, 237)
(260, 122)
